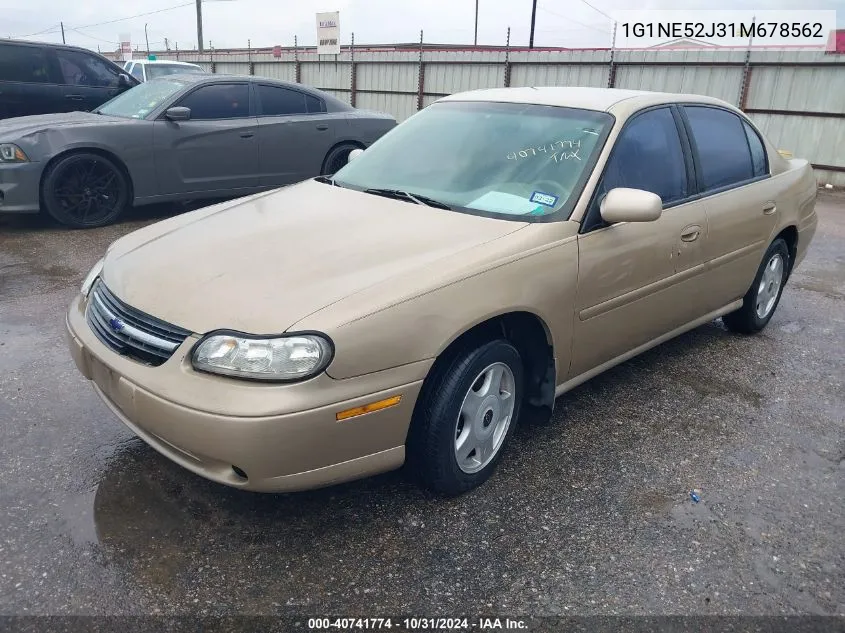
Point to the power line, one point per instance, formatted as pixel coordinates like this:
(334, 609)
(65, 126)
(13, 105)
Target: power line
(599, 10)
(566, 17)
(50, 29)
(137, 15)
(93, 37)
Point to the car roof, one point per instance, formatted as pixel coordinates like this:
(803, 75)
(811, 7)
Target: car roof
(614, 100)
(162, 61)
(69, 47)
(208, 78)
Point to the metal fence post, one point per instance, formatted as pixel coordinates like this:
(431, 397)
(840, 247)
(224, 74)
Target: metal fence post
(421, 82)
(353, 80)
(249, 57)
(611, 71)
(296, 73)
(746, 72)
(507, 59)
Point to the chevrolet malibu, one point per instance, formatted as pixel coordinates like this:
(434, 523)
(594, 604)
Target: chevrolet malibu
(487, 255)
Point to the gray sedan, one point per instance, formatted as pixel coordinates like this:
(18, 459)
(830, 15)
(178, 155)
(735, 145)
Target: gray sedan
(184, 137)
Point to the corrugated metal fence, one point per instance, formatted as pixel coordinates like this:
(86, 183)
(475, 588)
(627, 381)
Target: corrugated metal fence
(796, 97)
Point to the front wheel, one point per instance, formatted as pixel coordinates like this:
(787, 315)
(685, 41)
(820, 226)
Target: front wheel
(763, 297)
(85, 190)
(467, 413)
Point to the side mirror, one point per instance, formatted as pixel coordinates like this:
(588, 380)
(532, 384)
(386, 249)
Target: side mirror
(355, 153)
(630, 205)
(123, 81)
(178, 113)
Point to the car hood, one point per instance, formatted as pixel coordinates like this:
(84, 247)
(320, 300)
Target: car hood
(18, 127)
(262, 263)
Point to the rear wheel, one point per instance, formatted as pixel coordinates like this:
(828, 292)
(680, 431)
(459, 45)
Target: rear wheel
(337, 158)
(762, 298)
(466, 415)
(85, 190)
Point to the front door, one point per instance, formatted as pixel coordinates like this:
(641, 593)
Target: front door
(216, 150)
(88, 81)
(636, 279)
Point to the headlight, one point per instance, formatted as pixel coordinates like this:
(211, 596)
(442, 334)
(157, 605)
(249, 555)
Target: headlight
(91, 277)
(10, 153)
(282, 358)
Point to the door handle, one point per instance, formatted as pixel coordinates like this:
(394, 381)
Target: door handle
(247, 134)
(770, 208)
(691, 233)
(74, 97)
(323, 127)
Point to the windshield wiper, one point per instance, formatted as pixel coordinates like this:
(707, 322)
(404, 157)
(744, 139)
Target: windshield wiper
(416, 198)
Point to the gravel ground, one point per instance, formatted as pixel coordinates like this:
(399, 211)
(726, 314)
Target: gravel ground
(587, 515)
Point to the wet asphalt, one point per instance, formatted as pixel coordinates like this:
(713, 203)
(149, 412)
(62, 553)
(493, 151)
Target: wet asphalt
(589, 514)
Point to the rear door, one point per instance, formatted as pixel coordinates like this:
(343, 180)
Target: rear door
(636, 280)
(740, 197)
(216, 150)
(27, 81)
(88, 81)
(295, 134)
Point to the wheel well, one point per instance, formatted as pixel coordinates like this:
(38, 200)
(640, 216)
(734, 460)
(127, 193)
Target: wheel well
(530, 335)
(790, 236)
(351, 144)
(88, 150)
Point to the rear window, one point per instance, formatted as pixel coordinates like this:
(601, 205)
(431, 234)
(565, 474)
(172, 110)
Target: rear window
(163, 70)
(723, 151)
(27, 64)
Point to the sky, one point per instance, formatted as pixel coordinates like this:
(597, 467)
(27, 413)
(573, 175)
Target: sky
(234, 23)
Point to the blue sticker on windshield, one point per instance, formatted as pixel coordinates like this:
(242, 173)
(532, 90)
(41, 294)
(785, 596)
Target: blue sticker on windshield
(546, 199)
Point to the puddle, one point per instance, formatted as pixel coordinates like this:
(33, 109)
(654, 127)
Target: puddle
(78, 516)
(24, 279)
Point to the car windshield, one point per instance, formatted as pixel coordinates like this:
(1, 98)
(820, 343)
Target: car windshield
(138, 102)
(517, 161)
(162, 70)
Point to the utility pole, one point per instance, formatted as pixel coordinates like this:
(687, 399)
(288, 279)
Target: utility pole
(475, 41)
(147, 37)
(62, 24)
(199, 25)
(533, 18)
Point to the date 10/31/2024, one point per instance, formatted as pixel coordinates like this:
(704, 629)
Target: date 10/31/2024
(565, 150)
(420, 623)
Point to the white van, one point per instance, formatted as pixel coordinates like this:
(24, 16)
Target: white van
(144, 69)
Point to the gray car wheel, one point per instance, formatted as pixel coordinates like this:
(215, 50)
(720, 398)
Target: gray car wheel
(85, 190)
(762, 298)
(464, 417)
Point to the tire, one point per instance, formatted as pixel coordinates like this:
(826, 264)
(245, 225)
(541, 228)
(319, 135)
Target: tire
(761, 300)
(85, 190)
(337, 158)
(447, 414)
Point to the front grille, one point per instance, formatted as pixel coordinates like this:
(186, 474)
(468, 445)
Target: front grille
(131, 332)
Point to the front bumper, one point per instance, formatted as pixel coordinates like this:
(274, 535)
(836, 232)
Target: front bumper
(283, 437)
(19, 187)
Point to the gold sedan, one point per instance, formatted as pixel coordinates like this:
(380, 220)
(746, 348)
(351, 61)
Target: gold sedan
(490, 253)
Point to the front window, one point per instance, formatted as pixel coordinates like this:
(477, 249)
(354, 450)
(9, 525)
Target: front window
(496, 159)
(162, 70)
(138, 102)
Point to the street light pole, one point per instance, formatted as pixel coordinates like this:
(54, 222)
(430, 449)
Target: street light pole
(533, 18)
(199, 26)
(475, 41)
